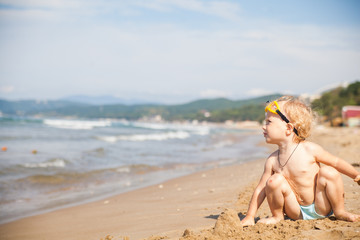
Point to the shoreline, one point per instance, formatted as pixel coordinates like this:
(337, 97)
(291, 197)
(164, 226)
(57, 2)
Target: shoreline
(192, 202)
(131, 209)
(163, 174)
(50, 181)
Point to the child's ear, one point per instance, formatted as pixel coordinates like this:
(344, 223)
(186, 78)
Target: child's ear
(289, 128)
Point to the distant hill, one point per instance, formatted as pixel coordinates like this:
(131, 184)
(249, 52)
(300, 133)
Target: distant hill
(29, 107)
(330, 104)
(103, 100)
(221, 109)
(216, 110)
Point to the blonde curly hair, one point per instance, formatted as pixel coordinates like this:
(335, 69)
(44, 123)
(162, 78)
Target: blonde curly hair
(299, 114)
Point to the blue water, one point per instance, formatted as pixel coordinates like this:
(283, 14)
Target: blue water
(54, 163)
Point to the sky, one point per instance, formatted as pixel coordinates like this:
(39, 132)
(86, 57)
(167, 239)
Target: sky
(175, 51)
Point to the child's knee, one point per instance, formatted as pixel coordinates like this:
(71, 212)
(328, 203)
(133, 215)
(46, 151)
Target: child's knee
(328, 173)
(275, 181)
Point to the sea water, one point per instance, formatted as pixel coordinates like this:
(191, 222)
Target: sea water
(46, 164)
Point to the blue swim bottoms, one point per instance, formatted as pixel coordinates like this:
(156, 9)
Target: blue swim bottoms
(309, 212)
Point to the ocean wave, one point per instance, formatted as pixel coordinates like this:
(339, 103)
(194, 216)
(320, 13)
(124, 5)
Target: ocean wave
(146, 137)
(123, 169)
(137, 168)
(195, 129)
(224, 143)
(55, 163)
(97, 176)
(21, 120)
(44, 179)
(76, 124)
(59, 178)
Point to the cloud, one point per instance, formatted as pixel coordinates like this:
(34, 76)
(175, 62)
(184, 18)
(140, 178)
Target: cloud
(33, 3)
(133, 45)
(77, 8)
(222, 9)
(6, 89)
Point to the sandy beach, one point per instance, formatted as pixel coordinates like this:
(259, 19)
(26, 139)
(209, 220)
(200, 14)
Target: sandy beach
(207, 204)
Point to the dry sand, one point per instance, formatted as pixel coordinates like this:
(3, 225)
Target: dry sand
(203, 205)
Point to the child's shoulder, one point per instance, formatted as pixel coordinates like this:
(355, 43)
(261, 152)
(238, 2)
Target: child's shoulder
(273, 155)
(270, 161)
(311, 146)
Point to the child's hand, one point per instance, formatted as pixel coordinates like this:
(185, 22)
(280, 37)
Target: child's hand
(357, 179)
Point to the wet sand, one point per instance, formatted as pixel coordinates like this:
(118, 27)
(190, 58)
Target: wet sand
(206, 204)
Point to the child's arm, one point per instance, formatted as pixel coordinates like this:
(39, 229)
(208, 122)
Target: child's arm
(339, 164)
(258, 195)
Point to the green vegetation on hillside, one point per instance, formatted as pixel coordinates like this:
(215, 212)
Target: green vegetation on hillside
(330, 104)
(28, 107)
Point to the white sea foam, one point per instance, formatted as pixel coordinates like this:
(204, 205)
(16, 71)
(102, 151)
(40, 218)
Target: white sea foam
(146, 137)
(57, 162)
(224, 143)
(156, 126)
(123, 170)
(195, 129)
(76, 124)
(110, 139)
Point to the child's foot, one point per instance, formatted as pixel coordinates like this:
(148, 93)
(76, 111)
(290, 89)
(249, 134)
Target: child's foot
(270, 220)
(346, 216)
